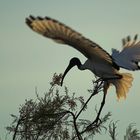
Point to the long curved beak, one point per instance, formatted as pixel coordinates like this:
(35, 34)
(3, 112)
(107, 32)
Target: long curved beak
(66, 71)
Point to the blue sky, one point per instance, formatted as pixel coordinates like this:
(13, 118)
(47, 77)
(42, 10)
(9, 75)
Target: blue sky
(28, 60)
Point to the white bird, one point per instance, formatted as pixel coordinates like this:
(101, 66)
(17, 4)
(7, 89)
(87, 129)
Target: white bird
(101, 63)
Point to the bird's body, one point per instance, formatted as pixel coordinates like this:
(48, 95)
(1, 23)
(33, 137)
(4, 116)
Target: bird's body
(100, 69)
(98, 60)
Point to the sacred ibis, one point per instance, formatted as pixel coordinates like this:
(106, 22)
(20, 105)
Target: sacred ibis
(101, 63)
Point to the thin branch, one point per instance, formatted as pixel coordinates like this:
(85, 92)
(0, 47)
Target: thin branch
(16, 129)
(75, 126)
(97, 87)
(95, 122)
(112, 130)
(99, 84)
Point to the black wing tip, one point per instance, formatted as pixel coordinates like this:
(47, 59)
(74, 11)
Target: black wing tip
(29, 20)
(48, 18)
(39, 18)
(136, 37)
(32, 18)
(128, 38)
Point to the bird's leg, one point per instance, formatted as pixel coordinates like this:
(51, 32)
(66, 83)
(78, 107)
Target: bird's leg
(100, 110)
(98, 80)
(97, 120)
(105, 88)
(95, 91)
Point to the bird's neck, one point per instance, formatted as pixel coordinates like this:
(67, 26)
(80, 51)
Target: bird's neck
(85, 66)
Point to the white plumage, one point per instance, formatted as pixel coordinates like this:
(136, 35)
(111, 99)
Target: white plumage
(98, 61)
(129, 56)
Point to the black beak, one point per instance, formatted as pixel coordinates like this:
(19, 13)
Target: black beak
(66, 71)
(74, 61)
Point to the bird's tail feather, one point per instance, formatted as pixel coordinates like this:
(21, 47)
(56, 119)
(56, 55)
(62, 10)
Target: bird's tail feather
(122, 85)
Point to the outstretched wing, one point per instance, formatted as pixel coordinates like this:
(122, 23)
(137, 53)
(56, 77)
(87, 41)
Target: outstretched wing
(63, 34)
(129, 57)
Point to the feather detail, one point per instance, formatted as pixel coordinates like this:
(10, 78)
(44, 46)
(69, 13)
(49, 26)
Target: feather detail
(129, 56)
(61, 33)
(122, 85)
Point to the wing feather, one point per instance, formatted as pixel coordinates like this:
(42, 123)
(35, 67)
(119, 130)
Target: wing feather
(129, 56)
(63, 34)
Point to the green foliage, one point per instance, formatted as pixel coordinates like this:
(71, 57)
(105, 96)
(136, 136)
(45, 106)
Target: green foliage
(55, 116)
(132, 133)
(46, 117)
(112, 130)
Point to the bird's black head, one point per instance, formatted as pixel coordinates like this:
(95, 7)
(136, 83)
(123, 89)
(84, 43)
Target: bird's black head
(73, 62)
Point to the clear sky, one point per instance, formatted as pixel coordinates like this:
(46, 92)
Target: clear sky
(28, 60)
